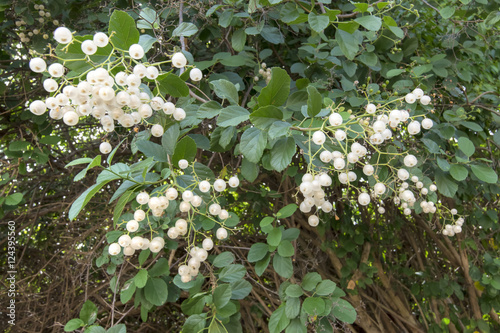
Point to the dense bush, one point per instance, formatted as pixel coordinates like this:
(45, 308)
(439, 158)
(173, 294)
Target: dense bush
(252, 166)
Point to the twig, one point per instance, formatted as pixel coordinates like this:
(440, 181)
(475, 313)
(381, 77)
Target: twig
(482, 94)
(114, 293)
(192, 94)
(428, 4)
(183, 41)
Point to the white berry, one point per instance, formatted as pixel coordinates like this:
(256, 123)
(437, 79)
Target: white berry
(221, 233)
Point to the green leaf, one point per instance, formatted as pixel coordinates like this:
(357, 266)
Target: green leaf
(276, 92)
(83, 199)
(95, 329)
(222, 295)
(325, 288)
(484, 173)
(287, 211)
(171, 84)
(147, 41)
(232, 116)
(257, 252)
(240, 289)
(431, 145)
(343, 311)
(297, 326)
(325, 326)
(466, 146)
(232, 273)
(265, 116)
(127, 292)
(185, 149)
(156, 291)
(143, 256)
(286, 249)
(282, 153)
(447, 12)
(348, 44)
(227, 136)
(169, 139)
(261, 265)
(79, 161)
(193, 305)
(95, 162)
(225, 18)
(185, 29)
(266, 221)
(471, 125)
(274, 237)
(290, 234)
(160, 268)
(120, 205)
(459, 172)
(50, 140)
(294, 290)
(195, 323)
(13, 199)
(122, 30)
(370, 22)
(225, 89)
(318, 23)
(19, 145)
(394, 72)
(272, 35)
(209, 110)
(443, 164)
(369, 59)
(224, 259)
(252, 144)
(151, 149)
(226, 312)
(278, 128)
(215, 327)
(419, 70)
(73, 324)
(292, 307)
(249, 170)
(141, 278)
(314, 101)
(283, 266)
(313, 305)
(238, 40)
(310, 281)
(88, 313)
(120, 328)
(446, 185)
(278, 321)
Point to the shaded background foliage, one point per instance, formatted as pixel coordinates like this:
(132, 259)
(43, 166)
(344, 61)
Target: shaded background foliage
(398, 272)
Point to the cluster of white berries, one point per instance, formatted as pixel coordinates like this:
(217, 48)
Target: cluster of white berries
(189, 201)
(406, 197)
(417, 94)
(106, 96)
(378, 129)
(130, 245)
(314, 195)
(265, 72)
(452, 230)
(198, 255)
(32, 30)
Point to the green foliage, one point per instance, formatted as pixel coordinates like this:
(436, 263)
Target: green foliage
(256, 121)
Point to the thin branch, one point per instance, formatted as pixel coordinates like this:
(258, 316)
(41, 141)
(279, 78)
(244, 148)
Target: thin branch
(183, 41)
(428, 4)
(485, 93)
